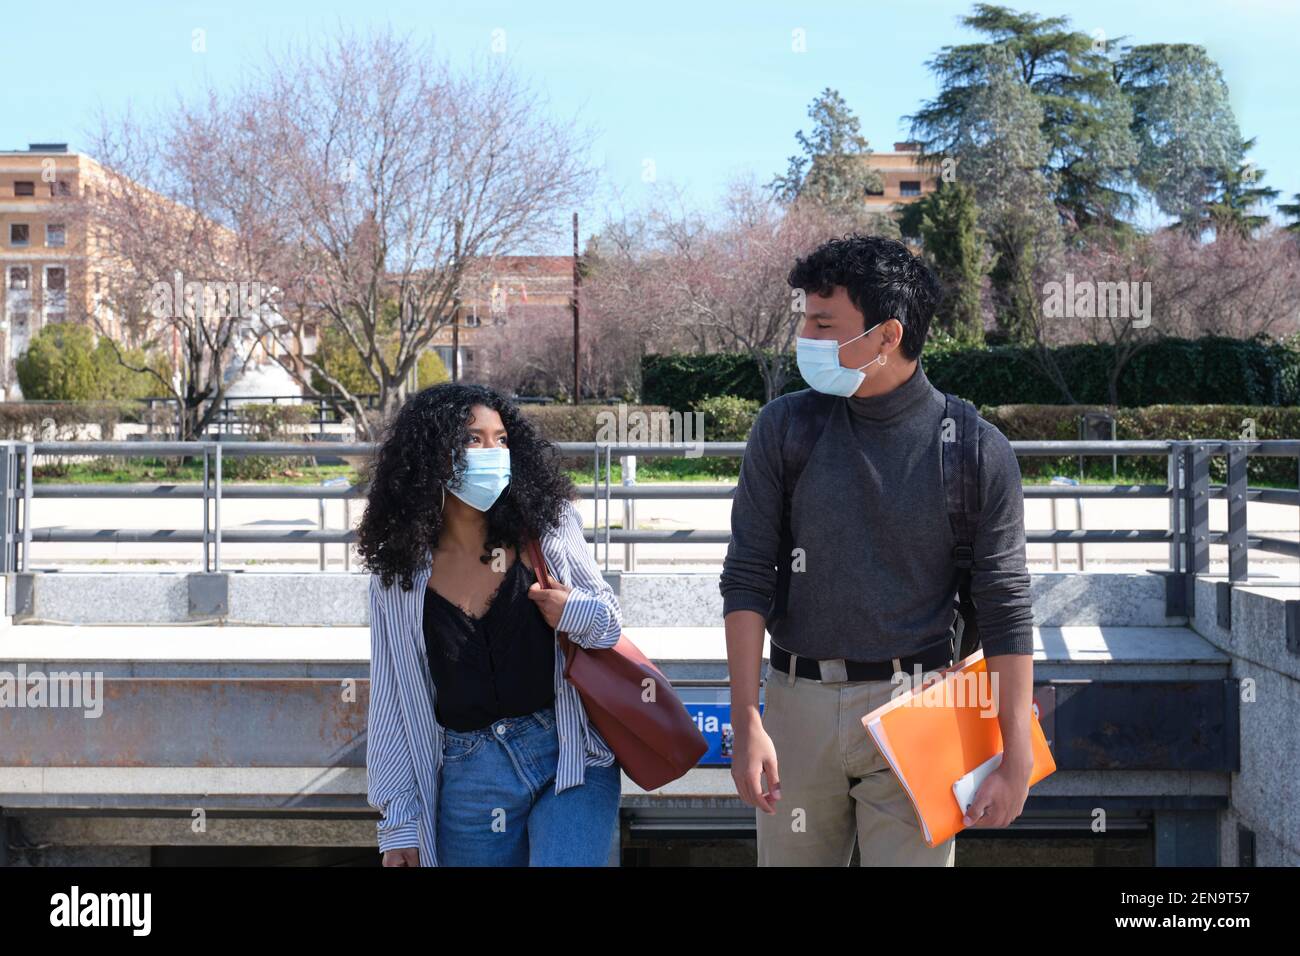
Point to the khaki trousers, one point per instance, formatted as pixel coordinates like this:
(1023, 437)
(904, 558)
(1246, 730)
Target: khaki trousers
(835, 784)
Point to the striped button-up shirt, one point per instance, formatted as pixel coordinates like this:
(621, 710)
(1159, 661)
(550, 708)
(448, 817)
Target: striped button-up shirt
(404, 739)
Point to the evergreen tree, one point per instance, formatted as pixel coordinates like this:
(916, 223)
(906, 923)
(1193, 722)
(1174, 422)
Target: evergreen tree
(1292, 211)
(1186, 131)
(832, 171)
(947, 223)
(1235, 196)
(1084, 121)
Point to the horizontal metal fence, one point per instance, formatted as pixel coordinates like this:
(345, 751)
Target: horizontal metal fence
(1187, 490)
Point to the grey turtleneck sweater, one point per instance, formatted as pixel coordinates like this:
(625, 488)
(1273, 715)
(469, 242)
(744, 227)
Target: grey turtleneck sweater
(869, 513)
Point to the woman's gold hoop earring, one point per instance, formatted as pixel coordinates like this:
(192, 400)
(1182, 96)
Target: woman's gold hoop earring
(444, 498)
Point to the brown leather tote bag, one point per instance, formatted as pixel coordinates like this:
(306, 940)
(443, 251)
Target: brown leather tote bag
(631, 703)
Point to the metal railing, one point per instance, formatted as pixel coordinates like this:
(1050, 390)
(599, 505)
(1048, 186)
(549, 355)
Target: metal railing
(19, 491)
(1187, 489)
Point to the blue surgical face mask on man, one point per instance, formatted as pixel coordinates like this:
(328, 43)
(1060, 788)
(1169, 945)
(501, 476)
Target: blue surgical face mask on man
(819, 364)
(485, 476)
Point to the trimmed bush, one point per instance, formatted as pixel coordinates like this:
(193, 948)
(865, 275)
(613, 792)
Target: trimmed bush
(582, 423)
(268, 422)
(728, 418)
(63, 421)
(1151, 423)
(682, 381)
(1208, 371)
(67, 362)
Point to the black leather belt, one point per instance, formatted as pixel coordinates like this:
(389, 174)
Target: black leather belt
(930, 659)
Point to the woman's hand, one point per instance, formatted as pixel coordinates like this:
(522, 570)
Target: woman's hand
(404, 856)
(550, 601)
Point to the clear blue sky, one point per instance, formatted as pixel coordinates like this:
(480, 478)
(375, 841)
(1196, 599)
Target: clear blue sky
(705, 89)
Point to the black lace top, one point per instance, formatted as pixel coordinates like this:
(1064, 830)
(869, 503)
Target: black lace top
(499, 665)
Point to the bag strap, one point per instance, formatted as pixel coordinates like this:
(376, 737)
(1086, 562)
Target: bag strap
(539, 562)
(809, 410)
(959, 466)
(544, 578)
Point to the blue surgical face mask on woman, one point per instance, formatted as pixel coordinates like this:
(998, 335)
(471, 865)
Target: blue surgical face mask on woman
(819, 364)
(485, 476)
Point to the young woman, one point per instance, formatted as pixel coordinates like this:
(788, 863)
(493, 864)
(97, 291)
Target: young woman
(479, 752)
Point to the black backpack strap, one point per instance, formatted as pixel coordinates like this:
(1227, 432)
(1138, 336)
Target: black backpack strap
(960, 468)
(804, 424)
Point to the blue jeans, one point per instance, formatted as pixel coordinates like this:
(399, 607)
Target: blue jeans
(497, 804)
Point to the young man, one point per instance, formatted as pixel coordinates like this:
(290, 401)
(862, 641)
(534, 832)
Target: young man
(872, 585)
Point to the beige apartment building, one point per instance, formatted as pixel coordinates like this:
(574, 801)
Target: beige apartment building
(905, 179)
(54, 259)
(46, 258)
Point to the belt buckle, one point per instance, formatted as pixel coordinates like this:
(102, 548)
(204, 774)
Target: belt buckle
(833, 670)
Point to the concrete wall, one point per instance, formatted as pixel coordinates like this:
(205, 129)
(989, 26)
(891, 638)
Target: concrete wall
(1266, 792)
(1263, 796)
(647, 599)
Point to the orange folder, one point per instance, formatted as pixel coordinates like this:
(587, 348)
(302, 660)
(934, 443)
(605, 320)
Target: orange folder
(933, 737)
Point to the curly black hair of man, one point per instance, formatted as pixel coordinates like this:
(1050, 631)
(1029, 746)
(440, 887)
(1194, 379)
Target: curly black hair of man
(882, 278)
(421, 449)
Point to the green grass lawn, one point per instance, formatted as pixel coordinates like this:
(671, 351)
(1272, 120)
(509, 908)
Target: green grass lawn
(100, 471)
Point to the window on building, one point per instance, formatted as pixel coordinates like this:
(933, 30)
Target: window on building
(875, 192)
(24, 187)
(56, 278)
(60, 188)
(909, 187)
(55, 235)
(20, 277)
(18, 233)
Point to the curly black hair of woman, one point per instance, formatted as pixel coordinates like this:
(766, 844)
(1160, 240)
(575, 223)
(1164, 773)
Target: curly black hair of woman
(420, 450)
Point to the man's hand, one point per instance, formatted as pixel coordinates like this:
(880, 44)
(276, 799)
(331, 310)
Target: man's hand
(550, 601)
(403, 856)
(1000, 798)
(754, 754)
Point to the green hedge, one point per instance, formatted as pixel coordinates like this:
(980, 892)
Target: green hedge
(64, 421)
(1207, 371)
(727, 418)
(1150, 423)
(731, 419)
(580, 423)
(682, 381)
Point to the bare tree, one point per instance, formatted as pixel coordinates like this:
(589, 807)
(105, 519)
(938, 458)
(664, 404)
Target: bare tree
(347, 180)
(1235, 286)
(391, 172)
(719, 280)
(1132, 291)
(168, 268)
